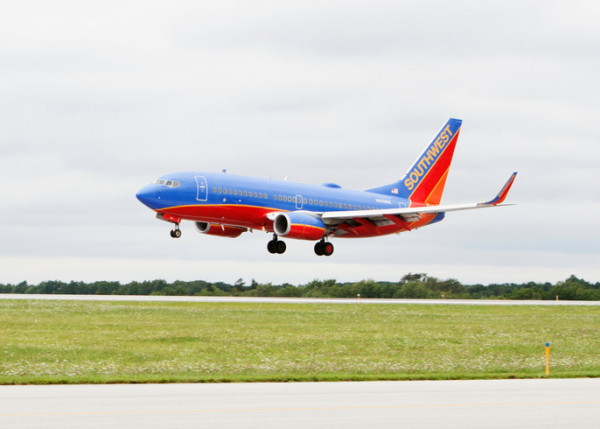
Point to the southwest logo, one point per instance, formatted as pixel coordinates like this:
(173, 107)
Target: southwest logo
(428, 158)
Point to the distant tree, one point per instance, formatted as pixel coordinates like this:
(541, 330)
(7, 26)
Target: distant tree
(413, 289)
(238, 287)
(417, 285)
(410, 277)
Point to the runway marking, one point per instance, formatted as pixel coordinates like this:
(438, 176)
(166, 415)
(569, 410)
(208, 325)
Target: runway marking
(259, 410)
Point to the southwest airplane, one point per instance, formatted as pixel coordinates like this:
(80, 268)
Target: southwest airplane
(227, 205)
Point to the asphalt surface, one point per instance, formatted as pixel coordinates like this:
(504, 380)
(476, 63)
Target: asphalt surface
(546, 403)
(147, 298)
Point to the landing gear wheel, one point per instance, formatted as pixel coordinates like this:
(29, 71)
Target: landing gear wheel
(319, 251)
(323, 248)
(280, 246)
(276, 246)
(176, 233)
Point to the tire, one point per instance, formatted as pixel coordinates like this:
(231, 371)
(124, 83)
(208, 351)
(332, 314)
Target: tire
(280, 246)
(319, 248)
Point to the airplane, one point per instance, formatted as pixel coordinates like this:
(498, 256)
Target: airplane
(228, 205)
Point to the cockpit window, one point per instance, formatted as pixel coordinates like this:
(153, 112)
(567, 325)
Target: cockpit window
(169, 183)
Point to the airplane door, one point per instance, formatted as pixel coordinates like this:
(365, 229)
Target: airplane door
(299, 202)
(202, 193)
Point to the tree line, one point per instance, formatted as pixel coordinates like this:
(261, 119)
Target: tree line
(410, 286)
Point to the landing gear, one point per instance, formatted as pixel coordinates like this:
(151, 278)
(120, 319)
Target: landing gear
(324, 248)
(176, 232)
(276, 246)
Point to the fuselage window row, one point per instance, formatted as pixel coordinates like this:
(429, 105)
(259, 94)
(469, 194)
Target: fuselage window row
(239, 192)
(284, 198)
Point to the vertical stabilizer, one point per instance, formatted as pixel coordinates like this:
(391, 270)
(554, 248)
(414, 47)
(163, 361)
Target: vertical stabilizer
(424, 182)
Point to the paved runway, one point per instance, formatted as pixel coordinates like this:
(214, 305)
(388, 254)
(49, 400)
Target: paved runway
(263, 300)
(540, 404)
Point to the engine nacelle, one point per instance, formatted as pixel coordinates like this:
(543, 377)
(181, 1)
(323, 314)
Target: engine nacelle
(302, 226)
(220, 230)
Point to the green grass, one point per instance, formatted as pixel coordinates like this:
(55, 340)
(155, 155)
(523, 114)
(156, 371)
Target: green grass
(114, 342)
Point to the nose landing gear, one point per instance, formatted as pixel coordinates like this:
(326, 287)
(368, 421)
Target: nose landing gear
(175, 220)
(176, 232)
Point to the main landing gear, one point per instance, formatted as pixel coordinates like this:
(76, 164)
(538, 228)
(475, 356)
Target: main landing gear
(276, 246)
(324, 248)
(176, 232)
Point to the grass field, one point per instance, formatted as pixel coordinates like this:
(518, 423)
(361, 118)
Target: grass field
(113, 342)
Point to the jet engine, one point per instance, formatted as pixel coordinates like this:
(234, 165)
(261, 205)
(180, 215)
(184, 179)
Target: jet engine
(220, 230)
(303, 226)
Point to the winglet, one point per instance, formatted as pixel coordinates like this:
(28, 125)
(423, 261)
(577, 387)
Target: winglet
(503, 192)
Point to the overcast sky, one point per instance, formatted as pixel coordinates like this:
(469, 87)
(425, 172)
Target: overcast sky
(100, 98)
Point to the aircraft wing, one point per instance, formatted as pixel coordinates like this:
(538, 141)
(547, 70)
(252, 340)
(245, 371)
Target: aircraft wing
(411, 214)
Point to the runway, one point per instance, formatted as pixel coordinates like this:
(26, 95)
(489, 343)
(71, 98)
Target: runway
(552, 403)
(266, 300)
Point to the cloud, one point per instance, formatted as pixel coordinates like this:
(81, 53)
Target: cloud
(97, 103)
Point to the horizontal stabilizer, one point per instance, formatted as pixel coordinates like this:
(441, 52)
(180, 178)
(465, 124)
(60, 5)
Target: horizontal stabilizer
(408, 211)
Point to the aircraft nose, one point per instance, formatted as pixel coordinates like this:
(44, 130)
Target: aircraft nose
(148, 195)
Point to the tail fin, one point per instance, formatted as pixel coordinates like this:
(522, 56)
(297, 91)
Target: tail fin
(424, 181)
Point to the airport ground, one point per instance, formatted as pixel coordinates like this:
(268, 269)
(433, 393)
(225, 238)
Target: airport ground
(106, 332)
(63, 339)
(524, 404)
